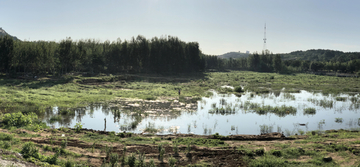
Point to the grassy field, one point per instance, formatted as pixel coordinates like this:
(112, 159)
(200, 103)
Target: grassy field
(23, 133)
(76, 90)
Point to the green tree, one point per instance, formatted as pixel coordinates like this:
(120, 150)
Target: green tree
(277, 64)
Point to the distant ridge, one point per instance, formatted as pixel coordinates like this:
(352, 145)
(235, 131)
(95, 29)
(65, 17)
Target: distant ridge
(3, 33)
(233, 55)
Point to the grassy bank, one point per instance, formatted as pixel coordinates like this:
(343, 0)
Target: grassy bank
(43, 146)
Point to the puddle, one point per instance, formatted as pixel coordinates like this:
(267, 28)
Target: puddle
(225, 114)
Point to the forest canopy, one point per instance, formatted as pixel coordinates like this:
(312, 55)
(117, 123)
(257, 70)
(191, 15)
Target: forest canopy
(166, 54)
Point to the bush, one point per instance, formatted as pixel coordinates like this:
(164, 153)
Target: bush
(259, 151)
(18, 119)
(78, 127)
(239, 89)
(29, 150)
(276, 153)
(114, 157)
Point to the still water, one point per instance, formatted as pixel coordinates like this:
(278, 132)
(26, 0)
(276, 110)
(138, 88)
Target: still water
(332, 112)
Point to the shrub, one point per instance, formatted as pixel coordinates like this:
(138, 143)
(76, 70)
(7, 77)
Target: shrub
(172, 161)
(18, 119)
(276, 153)
(29, 150)
(78, 127)
(64, 143)
(114, 157)
(239, 89)
(259, 151)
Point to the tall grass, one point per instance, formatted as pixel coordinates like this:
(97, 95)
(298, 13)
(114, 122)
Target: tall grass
(310, 111)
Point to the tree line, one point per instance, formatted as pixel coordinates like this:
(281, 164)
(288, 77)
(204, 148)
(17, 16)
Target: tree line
(166, 54)
(313, 61)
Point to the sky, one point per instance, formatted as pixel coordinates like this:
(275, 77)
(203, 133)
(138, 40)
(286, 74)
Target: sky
(219, 26)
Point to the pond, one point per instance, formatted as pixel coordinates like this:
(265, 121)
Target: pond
(226, 114)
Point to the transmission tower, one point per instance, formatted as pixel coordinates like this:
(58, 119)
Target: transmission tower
(264, 47)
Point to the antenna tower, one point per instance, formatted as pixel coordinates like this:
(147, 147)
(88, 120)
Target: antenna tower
(264, 47)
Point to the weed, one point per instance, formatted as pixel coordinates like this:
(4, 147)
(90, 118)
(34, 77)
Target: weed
(267, 160)
(289, 96)
(161, 152)
(276, 153)
(338, 120)
(310, 111)
(18, 119)
(29, 150)
(301, 132)
(340, 98)
(172, 161)
(114, 157)
(64, 143)
(238, 89)
(200, 142)
(78, 127)
(264, 129)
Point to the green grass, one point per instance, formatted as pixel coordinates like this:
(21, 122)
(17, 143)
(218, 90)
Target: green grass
(310, 111)
(340, 98)
(200, 142)
(68, 92)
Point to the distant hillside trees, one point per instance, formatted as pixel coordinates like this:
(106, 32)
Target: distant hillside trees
(159, 55)
(299, 61)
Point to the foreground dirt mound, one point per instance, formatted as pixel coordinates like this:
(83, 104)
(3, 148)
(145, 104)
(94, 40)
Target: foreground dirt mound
(18, 161)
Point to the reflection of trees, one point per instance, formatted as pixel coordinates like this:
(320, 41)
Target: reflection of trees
(131, 113)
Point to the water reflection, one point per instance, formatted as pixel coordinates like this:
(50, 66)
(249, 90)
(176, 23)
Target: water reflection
(290, 113)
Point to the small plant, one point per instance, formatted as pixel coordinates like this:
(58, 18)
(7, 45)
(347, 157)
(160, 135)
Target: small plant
(264, 129)
(310, 110)
(161, 153)
(29, 150)
(64, 143)
(259, 151)
(338, 120)
(132, 160)
(238, 89)
(276, 153)
(114, 157)
(70, 163)
(6, 145)
(152, 163)
(172, 161)
(301, 132)
(205, 131)
(175, 148)
(78, 127)
(107, 150)
(53, 159)
(93, 147)
(340, 98)
(141, 160)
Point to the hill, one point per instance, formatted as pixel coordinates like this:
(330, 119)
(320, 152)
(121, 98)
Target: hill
(233, 55)
(321, 55)
(3, 33)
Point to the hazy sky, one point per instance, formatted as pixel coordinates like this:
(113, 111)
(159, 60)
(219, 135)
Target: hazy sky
(219, 26)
